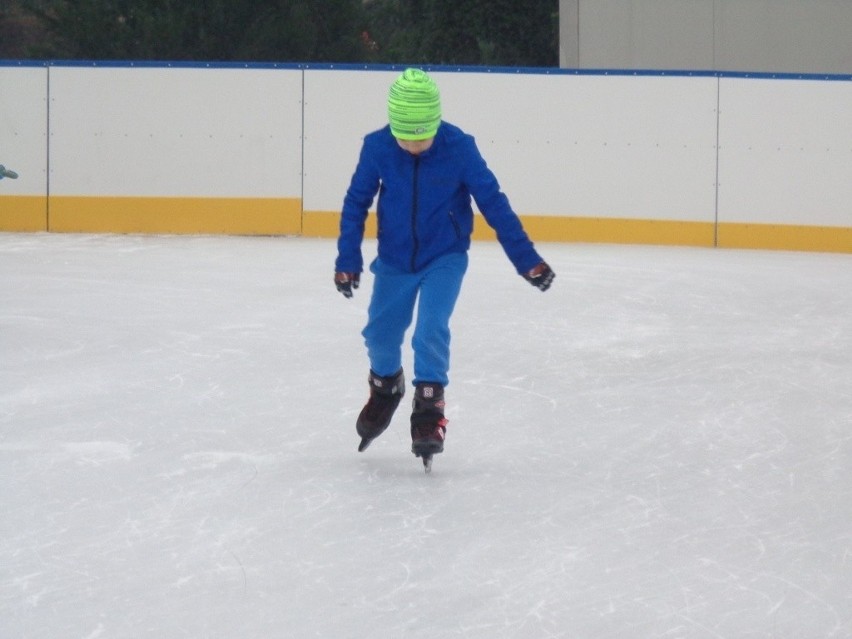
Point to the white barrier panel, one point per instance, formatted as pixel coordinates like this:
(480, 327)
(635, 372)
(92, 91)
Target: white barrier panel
(23, 148)
(176, 143)
(785, 154)
(594, 146)
(175, 132)
(602, 151)
(341, 107)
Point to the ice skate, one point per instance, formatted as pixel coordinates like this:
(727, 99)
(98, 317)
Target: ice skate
(428, 424)
(385, 395)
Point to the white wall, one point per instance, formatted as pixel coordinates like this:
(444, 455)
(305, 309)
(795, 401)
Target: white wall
(594, 146)
(791, 36)
(175, 132)
(340, 108)
(23, 129)
(785, 152)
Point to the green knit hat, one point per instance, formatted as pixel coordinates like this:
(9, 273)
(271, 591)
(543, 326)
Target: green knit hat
(414, 106)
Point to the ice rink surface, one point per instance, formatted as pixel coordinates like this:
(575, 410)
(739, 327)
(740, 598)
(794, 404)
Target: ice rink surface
(658, 447)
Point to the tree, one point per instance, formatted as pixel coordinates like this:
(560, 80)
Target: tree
(218, 30)
(18, 30)
(492, 32)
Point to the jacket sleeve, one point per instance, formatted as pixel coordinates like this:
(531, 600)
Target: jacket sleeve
(356, 204)
(495, 207)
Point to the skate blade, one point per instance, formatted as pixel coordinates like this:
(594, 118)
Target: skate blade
(425, 450)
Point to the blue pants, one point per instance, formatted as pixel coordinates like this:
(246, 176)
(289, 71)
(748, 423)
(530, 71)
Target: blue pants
(395, 293)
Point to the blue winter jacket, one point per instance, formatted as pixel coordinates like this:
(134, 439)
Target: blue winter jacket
(424, 207)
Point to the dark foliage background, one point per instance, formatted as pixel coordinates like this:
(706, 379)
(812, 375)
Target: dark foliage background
(489, 32)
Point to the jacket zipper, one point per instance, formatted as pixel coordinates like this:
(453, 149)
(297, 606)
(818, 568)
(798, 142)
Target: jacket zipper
(414, 239)
(455, 225)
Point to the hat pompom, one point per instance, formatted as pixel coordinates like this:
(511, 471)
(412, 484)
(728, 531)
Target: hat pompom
(414, 106)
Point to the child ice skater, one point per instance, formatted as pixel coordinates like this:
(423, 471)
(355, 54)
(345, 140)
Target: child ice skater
(425, 172)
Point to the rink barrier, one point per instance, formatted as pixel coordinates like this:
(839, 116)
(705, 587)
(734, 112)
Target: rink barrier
(683, 158)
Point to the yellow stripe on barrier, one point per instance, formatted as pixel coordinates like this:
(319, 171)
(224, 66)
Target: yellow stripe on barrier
(284, 216)
(556, 229)
(327, 224)
(610, 230)
(230, 216)
(786, 237)
(543, 228)
(23, 213)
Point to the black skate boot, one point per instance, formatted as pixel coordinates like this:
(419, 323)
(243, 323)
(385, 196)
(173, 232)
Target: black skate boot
(385, 395)
(428, 424)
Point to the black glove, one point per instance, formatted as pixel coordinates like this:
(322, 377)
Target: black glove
(541, 276)
(345, 282)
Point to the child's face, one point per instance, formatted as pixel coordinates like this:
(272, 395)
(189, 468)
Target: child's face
(416, 147)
